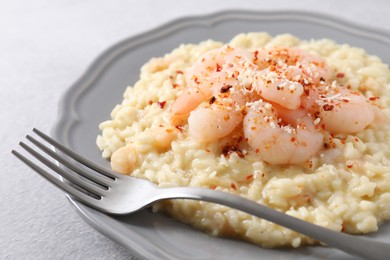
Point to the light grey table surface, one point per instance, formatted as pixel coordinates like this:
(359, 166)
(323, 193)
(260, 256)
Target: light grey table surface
(44, 47)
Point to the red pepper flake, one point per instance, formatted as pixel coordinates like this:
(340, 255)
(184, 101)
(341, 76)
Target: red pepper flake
(212, 100)
(239, 153)
(249, 177)
(174, 85)
(218, 68)
(196, 80)
(227, 150)
(340, 75)
(213, 187)
(310, 164)
(234, 186)
(225, 88)
(161, 104)
(256, 56)
(327, 107)
(250, 87)
(179, 72)
(257, 150)
(349, 166)
(180, 128)
(373, 98)
(150, 102)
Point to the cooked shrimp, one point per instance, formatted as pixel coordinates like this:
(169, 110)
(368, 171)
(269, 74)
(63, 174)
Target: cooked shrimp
(275, 144)
(205, 70)
(210, 71)
(205, 78)
(189, 99)
(345, 111)
(286, 73)
(217, 118)
(124, 160)
(207, 124)
(279, 88)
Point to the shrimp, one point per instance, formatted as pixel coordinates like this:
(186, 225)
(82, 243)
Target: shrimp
(344, 111)
(278, 88)
(275, 144)
(285, 73)
(205, 78)
(124, 160)
(189, 99)
(206, 72)
(217, 118)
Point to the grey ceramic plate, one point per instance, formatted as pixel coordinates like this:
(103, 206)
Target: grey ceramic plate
(90, 100)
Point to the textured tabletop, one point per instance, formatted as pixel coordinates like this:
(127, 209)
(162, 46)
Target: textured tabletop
(44, 47)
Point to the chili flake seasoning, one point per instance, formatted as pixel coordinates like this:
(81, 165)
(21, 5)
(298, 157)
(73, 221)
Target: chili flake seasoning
(161, 104)
(225, 88)
(327, 107)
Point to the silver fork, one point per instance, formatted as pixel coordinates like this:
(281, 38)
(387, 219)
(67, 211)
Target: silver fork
(119, 194)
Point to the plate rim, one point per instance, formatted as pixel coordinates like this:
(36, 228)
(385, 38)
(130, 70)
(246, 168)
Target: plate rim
(67, 113)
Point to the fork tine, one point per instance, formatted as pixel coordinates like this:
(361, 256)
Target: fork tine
(75, 180)
(57, 182)
(75, 156)
(97, 178)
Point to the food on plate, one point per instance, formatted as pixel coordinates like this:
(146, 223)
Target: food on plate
(298, 125)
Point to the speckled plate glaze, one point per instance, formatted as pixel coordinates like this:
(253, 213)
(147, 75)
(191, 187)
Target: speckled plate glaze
(90, 100)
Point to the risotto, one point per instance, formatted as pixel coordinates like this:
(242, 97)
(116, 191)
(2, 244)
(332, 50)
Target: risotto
(299, 126)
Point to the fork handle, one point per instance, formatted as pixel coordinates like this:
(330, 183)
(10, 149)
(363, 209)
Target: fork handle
(359, 246)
